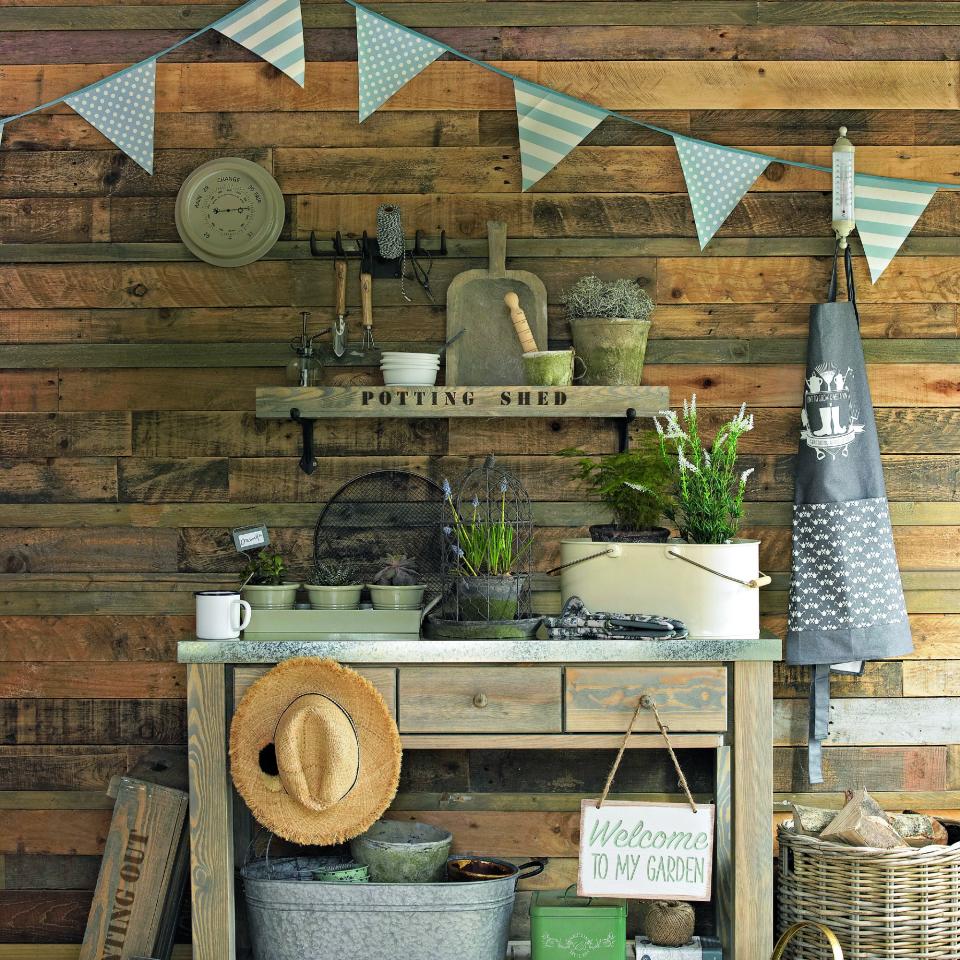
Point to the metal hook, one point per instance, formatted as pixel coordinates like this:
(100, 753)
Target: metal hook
(308, 461)
(623, 427)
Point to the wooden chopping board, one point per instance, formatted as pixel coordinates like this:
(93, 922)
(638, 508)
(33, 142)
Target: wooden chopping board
(488, 352)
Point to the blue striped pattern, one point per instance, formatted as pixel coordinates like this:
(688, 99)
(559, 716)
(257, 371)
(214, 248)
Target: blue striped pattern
(273, 30)
(886, 210)
(551, 125)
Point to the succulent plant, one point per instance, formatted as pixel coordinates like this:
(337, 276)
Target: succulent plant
(330, 572)
(398, 572)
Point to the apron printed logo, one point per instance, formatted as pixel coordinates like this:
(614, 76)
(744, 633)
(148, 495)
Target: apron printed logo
(829, 421)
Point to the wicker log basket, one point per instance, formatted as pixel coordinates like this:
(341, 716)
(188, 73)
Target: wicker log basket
(881, 904)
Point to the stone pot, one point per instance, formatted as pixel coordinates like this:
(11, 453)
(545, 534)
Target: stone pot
(614, 533)
(344, 597)
(549, 368)
(489, 598)
(403, 851)
(269, 596)
(389, 597)
(612, 349)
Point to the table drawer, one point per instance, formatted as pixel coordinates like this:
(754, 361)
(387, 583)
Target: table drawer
(480, 700)
(689, 698)
(383, 678)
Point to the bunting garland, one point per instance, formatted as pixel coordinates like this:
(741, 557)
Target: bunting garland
(273, 30)
(550, 126)
(121, 107)
(885, 211)
(388, 56)
(550, 123)
(717, 178)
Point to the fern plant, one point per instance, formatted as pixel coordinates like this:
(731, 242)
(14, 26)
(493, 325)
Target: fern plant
(635, 485)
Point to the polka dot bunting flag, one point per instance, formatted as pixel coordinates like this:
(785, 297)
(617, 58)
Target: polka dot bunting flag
(121, 108)
(717, 179)
(388, 57)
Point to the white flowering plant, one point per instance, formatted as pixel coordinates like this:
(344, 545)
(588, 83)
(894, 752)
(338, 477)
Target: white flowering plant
(708, 504)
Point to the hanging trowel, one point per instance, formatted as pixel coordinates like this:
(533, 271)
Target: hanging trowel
(339, 328)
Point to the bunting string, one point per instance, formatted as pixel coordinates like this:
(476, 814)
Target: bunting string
(550, 123)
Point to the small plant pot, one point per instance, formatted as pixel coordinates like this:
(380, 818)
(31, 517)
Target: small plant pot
(334, 598)
(612, 533)
(389, 597)
(549, 368)
(489, 598)
(271, 596)
(612, 349)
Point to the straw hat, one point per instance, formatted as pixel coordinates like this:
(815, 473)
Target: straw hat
(314, 751)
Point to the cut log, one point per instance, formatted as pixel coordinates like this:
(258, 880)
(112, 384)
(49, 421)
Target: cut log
(863, 823)
(918, 829)
(811, 821)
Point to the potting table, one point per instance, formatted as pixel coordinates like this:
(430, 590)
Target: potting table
(504, 694)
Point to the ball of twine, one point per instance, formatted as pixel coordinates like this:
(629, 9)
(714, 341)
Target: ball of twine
(669, 923)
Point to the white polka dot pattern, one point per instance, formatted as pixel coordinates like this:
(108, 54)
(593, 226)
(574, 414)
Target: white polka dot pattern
(388, 57)
(121, 108)
(717, 179)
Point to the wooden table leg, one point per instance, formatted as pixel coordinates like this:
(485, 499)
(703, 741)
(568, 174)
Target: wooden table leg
(723, 881)
(211, 814)
(753, 809)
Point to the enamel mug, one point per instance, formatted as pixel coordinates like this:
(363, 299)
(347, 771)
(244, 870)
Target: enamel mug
(221, 614)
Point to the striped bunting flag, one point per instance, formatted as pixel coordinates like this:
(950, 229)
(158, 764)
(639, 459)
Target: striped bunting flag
(886, 210)
(388, 56)
(550, 125)
(273, 30)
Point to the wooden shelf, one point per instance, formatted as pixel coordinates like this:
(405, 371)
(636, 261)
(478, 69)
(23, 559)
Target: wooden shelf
(276, 403)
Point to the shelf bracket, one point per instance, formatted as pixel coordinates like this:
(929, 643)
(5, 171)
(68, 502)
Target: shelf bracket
(623, 429)
(308, 460)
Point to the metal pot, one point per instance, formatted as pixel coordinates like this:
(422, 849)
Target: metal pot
(467, 869)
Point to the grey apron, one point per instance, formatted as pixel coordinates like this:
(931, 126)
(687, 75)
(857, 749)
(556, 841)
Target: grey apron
(846, 598)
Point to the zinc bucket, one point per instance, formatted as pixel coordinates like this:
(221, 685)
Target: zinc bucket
(713, 588)
(293, 917)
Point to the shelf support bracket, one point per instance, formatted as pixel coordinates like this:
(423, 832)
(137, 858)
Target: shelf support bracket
(623, 429)
(308, 460)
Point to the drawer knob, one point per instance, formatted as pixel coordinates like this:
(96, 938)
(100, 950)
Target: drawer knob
(480, 700)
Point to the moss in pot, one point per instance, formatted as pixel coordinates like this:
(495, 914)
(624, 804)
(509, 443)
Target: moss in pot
(635, 485)
(609, 324)
(397, 586)
(334, 585)
(265, 586)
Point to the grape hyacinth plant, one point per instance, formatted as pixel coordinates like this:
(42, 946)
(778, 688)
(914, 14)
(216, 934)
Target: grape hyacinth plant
(483, 546)
(708, 496)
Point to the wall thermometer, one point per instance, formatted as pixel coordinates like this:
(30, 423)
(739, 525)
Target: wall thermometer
(843, 200)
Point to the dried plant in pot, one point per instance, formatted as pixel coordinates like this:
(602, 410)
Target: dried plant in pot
(635, 485)
(334, 585)
(397, 585)
(265, 585)
(609, 323)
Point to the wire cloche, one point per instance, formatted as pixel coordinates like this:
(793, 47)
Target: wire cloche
(487, 546)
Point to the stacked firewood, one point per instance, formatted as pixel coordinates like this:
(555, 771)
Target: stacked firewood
(864, 823)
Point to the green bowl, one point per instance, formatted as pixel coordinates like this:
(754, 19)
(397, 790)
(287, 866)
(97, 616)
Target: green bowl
(346, 873)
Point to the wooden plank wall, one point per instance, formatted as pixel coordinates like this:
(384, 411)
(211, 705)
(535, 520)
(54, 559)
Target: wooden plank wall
(127, 432)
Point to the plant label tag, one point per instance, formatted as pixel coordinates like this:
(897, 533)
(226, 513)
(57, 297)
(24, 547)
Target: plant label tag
(250, 538)
(645, 851)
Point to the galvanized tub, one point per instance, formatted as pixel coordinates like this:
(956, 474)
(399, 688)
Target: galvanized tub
(293, 917)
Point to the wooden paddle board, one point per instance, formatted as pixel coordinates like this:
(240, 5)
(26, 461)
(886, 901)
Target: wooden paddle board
(488, 353)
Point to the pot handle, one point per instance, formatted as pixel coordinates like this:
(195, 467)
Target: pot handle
(759, 581)
(795, 928)
(538, 868)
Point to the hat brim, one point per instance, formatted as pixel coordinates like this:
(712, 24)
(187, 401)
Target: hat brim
(254, 726)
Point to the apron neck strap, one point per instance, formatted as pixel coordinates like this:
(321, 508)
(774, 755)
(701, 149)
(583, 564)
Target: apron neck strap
(848, 272)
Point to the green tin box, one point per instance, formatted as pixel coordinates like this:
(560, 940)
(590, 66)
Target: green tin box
(564, 926)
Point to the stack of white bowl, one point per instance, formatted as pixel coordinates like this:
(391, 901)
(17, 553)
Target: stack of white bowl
(409, 369)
